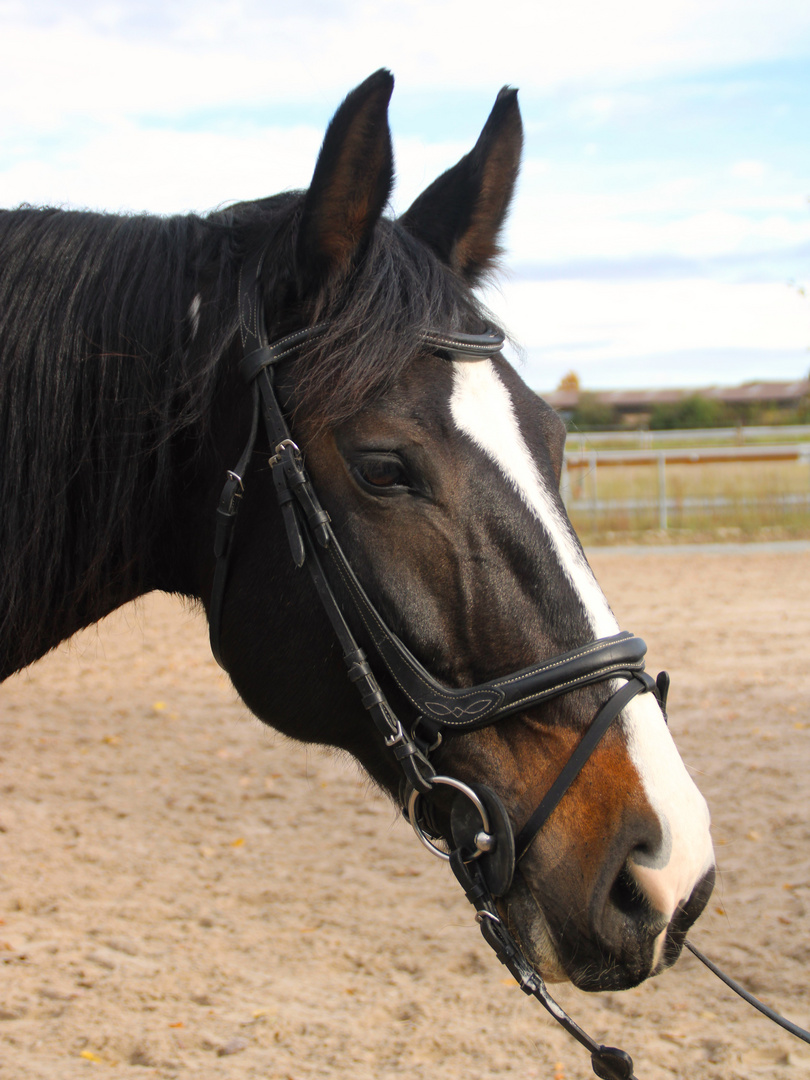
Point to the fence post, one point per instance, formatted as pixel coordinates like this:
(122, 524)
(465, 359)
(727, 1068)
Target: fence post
(594, 491)
(662, 490)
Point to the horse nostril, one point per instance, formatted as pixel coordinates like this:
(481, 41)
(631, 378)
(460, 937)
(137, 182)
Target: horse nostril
(626, 896)
(632, 917)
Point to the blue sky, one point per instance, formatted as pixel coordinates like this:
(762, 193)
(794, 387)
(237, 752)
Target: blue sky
(662, 224)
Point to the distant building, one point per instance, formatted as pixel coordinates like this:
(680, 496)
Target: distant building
(633, 408)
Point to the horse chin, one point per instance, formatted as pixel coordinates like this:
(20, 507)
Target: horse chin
(523, 913)
(525, 919)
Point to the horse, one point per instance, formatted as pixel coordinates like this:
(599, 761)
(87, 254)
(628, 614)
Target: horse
(132, 348)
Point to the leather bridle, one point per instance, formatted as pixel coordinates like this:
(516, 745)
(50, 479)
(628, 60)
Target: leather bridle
(484, 850)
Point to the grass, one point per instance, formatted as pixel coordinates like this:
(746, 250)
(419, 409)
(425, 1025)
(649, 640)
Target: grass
(754, 501)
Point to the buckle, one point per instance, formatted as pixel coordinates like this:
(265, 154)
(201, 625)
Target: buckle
(284, 445)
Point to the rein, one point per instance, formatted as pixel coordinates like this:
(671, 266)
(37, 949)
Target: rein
(485, 850)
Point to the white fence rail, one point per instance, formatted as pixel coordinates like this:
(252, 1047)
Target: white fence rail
(645, 439)
(593, 460)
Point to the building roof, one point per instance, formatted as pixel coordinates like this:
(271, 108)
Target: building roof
(782, 393)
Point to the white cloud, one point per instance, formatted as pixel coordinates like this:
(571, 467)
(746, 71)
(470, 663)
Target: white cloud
(559, 217)
(124, 168)
(121, 105)
(102, 58)
(748, 170)
(602, 326)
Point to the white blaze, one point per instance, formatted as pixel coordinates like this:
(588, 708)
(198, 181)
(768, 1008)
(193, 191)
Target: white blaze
(482, 409)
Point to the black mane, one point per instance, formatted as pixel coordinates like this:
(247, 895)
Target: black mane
(110, 365)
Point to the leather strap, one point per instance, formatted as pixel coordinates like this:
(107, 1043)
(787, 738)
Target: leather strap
(640, 683)
(467, 345)
(227, 509)
(454, 711)
(269, 355)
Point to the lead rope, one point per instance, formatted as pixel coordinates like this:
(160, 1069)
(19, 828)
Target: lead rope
(772, 1014)
(608, 1062)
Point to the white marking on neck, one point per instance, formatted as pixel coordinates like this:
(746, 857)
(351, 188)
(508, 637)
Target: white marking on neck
(482, 408)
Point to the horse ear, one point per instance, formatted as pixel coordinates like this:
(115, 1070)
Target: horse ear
(351, 183)
(461, 214)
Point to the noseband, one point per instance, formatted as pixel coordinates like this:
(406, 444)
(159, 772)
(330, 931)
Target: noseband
(484, 848)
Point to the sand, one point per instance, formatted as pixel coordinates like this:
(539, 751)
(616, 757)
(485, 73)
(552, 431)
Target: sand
(185, 894)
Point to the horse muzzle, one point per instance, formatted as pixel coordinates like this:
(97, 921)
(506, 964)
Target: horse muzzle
(606, 935)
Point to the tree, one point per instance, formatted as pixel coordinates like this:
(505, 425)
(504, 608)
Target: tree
(591, 414)
(569, 381)
(691, 412)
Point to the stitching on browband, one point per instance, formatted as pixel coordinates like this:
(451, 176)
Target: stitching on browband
(489, 345)
(487, 348)
(558, 662)
(300, 335)
(282, 348)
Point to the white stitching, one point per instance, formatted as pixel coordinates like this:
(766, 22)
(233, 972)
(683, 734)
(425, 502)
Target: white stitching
(487, 349)
(558, 662)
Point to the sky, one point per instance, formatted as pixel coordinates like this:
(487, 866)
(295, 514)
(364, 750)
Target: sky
(660, 234)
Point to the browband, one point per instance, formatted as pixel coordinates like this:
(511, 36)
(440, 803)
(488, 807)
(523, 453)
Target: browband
(460, 346)
(467, 346)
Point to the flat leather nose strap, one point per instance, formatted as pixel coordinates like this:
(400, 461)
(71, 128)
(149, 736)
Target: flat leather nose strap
(640, 683)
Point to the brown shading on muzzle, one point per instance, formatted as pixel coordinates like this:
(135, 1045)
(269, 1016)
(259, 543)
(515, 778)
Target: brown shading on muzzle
(575, 906)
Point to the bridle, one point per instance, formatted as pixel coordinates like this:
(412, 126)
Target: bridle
(484, 850)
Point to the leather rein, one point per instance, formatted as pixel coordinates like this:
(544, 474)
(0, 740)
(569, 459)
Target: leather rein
(485, 850)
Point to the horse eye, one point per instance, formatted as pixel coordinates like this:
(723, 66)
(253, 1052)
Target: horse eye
(380, 474)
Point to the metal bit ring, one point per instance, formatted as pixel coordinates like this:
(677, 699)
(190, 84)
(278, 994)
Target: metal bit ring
(465, 789)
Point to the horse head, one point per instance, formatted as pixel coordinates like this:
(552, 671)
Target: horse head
(440, 473)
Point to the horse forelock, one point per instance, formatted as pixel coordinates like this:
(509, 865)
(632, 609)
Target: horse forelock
(375, 314)
(375, 320)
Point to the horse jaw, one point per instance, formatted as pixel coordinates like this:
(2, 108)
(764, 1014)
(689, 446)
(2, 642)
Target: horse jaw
(525, 919)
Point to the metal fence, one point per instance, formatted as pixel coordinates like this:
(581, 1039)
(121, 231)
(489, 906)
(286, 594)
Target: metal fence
(644, 439)
(583, 495)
